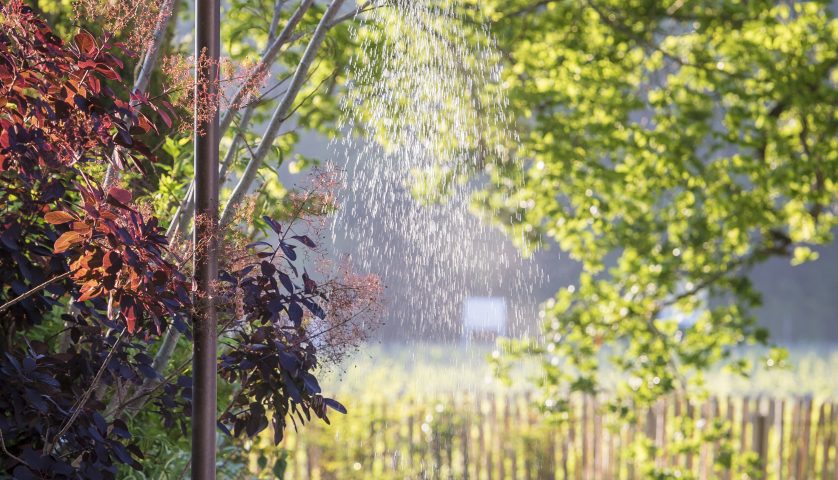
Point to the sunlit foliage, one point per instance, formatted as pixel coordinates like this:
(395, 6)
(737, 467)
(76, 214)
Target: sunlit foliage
(670, 146)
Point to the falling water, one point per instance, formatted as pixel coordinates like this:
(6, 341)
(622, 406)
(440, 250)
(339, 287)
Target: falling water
(425, 120)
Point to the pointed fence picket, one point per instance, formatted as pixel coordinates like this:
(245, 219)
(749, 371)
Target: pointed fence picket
(489, 437)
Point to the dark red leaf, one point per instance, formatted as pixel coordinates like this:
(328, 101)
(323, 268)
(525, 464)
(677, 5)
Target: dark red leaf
(112, 262)
(165, 117)
(67, 241)
(58, 217)
(122, 196)
(85, 42)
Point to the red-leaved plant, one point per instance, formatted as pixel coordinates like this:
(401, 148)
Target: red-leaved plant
(91, 283)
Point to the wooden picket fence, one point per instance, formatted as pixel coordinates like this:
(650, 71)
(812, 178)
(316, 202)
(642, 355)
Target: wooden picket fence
(507, 437)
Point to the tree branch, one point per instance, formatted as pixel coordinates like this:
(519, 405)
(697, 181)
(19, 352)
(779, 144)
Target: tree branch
(267, 60)
(167, 12)
(609, 19)
(13, 457)
(33, 291)
(80, 404)
(280, 113)
(275, 20)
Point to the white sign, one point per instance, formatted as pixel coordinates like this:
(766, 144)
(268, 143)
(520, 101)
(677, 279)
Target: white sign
(484, 316)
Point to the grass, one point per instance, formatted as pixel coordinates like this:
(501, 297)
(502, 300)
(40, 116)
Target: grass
(429, 369)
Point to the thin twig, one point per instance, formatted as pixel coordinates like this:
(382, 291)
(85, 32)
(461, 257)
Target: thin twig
(149, 390)
(619, 26)
(34, 290)
(3, 445)
(86, 396)
(312, 94)
(149, 387)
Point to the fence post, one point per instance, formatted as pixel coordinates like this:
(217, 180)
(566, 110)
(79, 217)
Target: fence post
(760, 441)
(794, 433)
(481, 455)
(651, 430)
(630, 437)
(466, 429)
(548, 470)
(729, 416)
(612, 468)
(660, 433)
(388, 454)
(567, 437)
(691, 417)
(832, 421)
(830, 439)
(717, 413)
(705, 464)
(807, 437)
(574, 436)
(529, 447)
(290, 444)
(835, 429)
(586, 452)
(502, 447)
(746, 416)
(780, 425)
(411, 442)
(597, 443)
(494, 437)
(310, 461)
(820, 440)
(370, 450)
(451, 435)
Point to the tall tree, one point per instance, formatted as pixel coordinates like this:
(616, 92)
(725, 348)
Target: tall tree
(670, 147)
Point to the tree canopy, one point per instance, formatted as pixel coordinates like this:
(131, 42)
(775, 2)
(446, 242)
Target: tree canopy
(669, 147)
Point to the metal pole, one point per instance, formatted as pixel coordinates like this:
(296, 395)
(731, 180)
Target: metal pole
(205, 254)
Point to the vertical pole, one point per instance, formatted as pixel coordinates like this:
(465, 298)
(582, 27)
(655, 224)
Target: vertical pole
(759, 442)
(207, 45)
